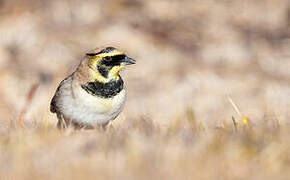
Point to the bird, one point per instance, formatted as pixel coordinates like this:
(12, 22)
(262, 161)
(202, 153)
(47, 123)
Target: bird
(94, 94)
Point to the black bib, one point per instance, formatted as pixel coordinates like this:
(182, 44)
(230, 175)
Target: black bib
(104, 90)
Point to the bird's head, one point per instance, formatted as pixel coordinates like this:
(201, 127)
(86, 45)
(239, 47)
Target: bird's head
(106, 64)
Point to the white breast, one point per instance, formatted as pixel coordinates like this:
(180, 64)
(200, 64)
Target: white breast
(85, 108)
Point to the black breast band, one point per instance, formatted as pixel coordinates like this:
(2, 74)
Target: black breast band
(104, 90)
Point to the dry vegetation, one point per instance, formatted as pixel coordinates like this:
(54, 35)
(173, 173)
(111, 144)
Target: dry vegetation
(197, 60)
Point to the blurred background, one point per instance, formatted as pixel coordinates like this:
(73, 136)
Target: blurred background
(190, 53)
(192, 56)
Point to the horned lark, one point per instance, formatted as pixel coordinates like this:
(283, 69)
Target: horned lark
(94, 93)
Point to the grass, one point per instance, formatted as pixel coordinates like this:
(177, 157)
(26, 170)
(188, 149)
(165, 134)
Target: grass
(141, 149)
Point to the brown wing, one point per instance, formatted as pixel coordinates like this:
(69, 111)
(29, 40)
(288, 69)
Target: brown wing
(53, 103)
(53, 107)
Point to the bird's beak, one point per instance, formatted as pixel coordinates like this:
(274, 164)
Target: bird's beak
(127, 61)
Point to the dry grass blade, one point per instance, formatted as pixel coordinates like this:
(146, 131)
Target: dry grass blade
(235, 123)
(191, 118)
(28, 101)
(244, 119)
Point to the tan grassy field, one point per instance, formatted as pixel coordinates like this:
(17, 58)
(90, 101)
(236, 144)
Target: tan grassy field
(207, 99)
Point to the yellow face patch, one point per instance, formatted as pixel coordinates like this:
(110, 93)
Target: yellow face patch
(95, 75)
(114, 72)
(94, 72)
(96, 59)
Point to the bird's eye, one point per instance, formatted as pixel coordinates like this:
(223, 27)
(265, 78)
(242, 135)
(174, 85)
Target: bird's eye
(108, 58)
